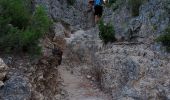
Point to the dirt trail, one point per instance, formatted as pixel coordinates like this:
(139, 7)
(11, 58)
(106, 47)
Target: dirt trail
(80, 88)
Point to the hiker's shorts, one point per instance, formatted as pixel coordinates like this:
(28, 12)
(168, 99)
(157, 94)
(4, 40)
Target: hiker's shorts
(98, 10)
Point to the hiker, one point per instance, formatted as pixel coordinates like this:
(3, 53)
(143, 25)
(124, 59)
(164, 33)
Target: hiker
(90, 14)
(98, 10)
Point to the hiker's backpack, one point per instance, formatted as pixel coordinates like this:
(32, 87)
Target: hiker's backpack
(98, 2)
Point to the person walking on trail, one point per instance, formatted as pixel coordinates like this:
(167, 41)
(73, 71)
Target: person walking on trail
(94, 12)
(98, 10)
(90, 14)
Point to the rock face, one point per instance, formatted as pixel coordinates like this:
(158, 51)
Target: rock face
(45, 78)
(16, 87)
(3, 72)
(62, 10)
(125, 71)
(139, 74)
(153, 17)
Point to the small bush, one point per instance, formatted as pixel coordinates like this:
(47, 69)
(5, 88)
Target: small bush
(16, 12)
(116, 4)
(165, 39)
(106, 32)
(20, 28)
(71, 2)
(110, 3)
(135, 5)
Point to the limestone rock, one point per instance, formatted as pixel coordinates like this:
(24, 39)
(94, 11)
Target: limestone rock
(59, 30)
(16, 88)
(61, 10)
(133, 30)
(125, 72)
(3, 71)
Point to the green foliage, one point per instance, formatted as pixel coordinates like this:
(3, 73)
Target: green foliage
(106, 32)
(165, 39)
(16, 12)
(20, 29)
(40, 22)
(116, 4)
(71, 2)
(113, 3)
(135, 5)
(110, 3)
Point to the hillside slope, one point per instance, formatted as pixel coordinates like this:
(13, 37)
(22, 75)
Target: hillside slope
(76, 65)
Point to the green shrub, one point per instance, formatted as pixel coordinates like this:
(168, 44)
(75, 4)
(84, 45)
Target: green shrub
(110, 3)
(16, 12)
(165, 39)
(116, 4)
(106, 32)
(113, 3)
(20, 28)
(71, 2)
(135, 5)
(9, 39)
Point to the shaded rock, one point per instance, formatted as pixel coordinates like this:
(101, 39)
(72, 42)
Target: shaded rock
(59, 30)
(46, 78)
(52, 53)
(16, 88)
(37, 96)
(133, 30)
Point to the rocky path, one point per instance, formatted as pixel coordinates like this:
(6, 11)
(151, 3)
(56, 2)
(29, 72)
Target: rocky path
(80, 88)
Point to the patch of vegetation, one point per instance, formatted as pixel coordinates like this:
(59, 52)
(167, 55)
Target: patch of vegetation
(71, 2)
(165, 39)
(116, 4)
(113, 3)
(135, 5)
(106, 32)
(21, 28)
(110, 3)
(155, 27)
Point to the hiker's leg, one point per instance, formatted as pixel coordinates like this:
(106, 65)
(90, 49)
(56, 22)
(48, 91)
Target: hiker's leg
(96, 18)
(98, 13)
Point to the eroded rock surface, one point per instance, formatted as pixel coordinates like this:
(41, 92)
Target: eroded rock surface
(16, 87)
(89, 68)
(135, 73)
(3, 71)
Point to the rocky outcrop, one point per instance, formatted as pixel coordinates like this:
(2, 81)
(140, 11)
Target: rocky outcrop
(3, 72)
(153, 16)
(125, 71)
(32, 79)
(134, 72)
(62, 10)
(16, 87)
(45, 78)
